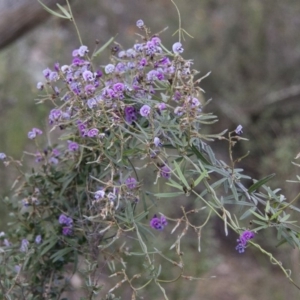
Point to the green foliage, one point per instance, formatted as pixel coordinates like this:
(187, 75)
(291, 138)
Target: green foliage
(89, 206)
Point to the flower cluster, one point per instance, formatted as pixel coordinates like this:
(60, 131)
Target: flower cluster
(125, 90)
(158, 223)
(68, 224)
(114, 120)
(243, 240)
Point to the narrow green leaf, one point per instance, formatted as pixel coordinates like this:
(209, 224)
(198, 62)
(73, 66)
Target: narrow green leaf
(259, 183)
(234, 191)
(260, 223)
(67, 14)
(52, 12)
(258, 216)
(66, 183)
(174, 184)
(103, 47)
(141, 216)
(168, 195)
(200, 178)
(59, 254)
(51, 243)
(245, 215)
(180, 174)
(200, 155)
(285, 218)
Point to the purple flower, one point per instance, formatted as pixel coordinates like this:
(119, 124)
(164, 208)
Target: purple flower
(91, 103)
(194, 102)
(176, 96)
(98, 74)
(131, 182)
(53, 76)
(150, 48)
(165, 61)
(89, 89)
(46, 72)
(119, 87)
(130, 114)
(2, 156)
(99, 194)
(93, 132)
(75, 53)
(157, 142)
(246, 236)
(138, 47)
(156, 40)
(38, 239)
(239, 130)
(33, 133)
(240, 248)
(65, 69)
(40, 86)
(243, 240)
(55, 152)
(122, 54)
(130, 53)
(143, 62)
(64, 220)
(67, 231)
(108, 93)
(131, 65)
(165, 172)
(77, 61)
(145, 110)
(72, 146)
(121, 67)
(53, 160)
(177, 48)
(178, 111)
(38, 157)
(81, 127)
(162, 106)
(56, 66)
(158, 223)
(152, 75)
(88, 75)
(109, 68)
(82, 50)
(56, 90)
(140, 23)
(54, 115)
(24, 245)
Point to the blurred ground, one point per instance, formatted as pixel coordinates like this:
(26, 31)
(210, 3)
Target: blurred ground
(242, 277)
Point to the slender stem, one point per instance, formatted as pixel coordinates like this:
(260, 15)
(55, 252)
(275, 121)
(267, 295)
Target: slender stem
(179, 20)
(74, 22)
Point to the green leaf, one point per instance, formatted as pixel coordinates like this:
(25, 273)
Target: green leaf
(52, 12)
(67, 14)
(258, 216)
(259, 183)
(174, 184)
(51, 243)
(66, 183)
(103, 47)
(141, 216)
(200, 178)
(59, 254)
(168, 195)
(200, 155)
(180, 174)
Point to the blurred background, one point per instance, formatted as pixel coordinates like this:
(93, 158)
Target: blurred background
(252, 48)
